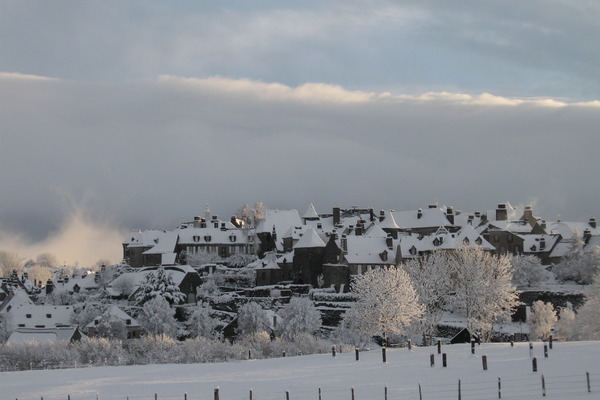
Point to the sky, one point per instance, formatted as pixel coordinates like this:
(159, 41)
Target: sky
(132, 115)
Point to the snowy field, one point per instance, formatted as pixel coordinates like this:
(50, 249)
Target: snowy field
(564, 373)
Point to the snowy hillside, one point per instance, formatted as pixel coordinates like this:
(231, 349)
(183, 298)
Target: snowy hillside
(564, 373)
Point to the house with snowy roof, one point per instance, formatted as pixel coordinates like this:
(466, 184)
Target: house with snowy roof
(129, 283)
(64, 334)
(134, 329)
(272, 227)
(426, 221)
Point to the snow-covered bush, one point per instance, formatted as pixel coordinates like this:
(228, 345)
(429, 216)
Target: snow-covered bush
(201, 323)
(299, 315)
(588, 316)
(100, 351)
(37, 355)
(252, 318)
(566, 326)
(159, 284)
(152, 349)
(578, 265)
(541, 320)
(157, 318)
(111, 327)
(528, 270)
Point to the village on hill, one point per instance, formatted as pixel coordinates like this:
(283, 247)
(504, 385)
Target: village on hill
(283, 273)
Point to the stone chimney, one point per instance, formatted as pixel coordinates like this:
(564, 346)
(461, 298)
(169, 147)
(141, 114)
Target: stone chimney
(501, 212)
(419, 213)
(337, 216)
(592, 222)
(381, 215)
(450, 215)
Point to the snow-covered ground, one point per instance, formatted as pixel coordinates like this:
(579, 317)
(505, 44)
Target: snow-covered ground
(564, 372)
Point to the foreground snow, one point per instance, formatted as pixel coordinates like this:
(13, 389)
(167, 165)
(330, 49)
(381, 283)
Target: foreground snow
(564, 372)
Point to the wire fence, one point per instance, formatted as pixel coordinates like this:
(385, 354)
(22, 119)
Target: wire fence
(535, 387)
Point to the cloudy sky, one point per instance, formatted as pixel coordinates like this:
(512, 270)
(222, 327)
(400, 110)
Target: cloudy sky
(136, 114)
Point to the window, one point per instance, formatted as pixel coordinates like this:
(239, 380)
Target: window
(413, 251)
(479, 241)
(28, 315)
(207, 238)
(466, 241)
(128, 321)
(196, 238)
(48, 315)
(509, 238)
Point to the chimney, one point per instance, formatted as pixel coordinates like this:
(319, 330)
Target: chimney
(223, 227)
(542, 243)
(234, 221)
(359, 229)
(433, 205)
(371, 214)
(274, 234)
(450, 215)
(592, 222)
(419, 213)
(501, 213)
(337, 215)
(528, 213)
(381, 215)
(49, 287)
(587, 235)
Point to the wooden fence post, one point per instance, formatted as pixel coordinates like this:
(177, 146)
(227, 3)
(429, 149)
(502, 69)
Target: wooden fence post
(249, 354)
(587, 376)
(287, 395)
(409, 344)
(499, 388)
(250, 395)
(550, 340)
(472, 346)
(444, 360)
(439, 346)
(432, 360)
(459, 393)
(333, 350)
(484, 361)
(216, 397)
(543, 386)
(534, 364)
(352, 392)
(383, 354)
(385, 393)
(530, 349)
(283, 353)
(356, 353)
(545, 351)
(320, 394)
(512, 340)
(420, 392)
(155, 396)
(185, 396)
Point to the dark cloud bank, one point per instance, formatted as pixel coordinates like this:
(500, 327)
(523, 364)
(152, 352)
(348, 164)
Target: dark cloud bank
(152, 154)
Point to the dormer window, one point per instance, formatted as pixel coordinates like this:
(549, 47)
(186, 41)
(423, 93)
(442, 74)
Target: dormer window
(48, 315)
(413, 251)
(478, 241)
(196, 238)
(207, 238)
(533, 248)
(128, 321)
(232, 238)
(28, 315)
(437, 241)
(466, 241)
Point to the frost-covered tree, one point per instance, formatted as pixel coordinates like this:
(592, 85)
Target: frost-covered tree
(111, 327)
(47, 260)
(566, 326)
(157, 318)
(387, 302)
(299, 316)
(541, 320)
(60, 297)
(528, 270)
(430, 276)
(578, 265)
(125, 285)
(482, 288)
(83, 314)
(6, 327)
(588, 316)
(39, 274)
(202, 324)
(252, 318)
(159, 284)
(10, 262)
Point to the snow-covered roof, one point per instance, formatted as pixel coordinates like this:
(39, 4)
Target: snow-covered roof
(412, 245)
(430, 218)
(311, 212)
(515, 226)
(136, 278)
(388, 221)
(87, 281)
(567, 229)
(268, 262)
(117, 313)
(538, 243)
(40, 316)
(366, 250)
(309, 239)
(165, 242)
(282, 220)
(210, 235)
(55, 334)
